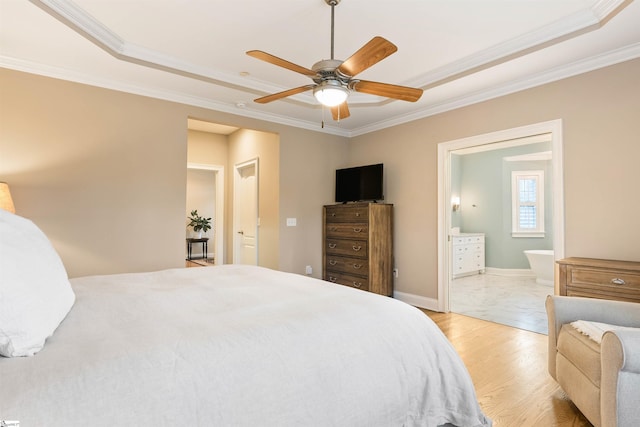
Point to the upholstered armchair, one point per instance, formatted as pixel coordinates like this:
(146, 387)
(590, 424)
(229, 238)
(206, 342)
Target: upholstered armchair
(602, 379)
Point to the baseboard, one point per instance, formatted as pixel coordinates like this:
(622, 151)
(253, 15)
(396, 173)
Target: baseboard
(417, 300)
(510, 272)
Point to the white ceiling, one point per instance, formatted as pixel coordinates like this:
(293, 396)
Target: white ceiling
(459, 51)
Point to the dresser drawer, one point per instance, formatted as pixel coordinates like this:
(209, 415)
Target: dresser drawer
(347, 230)
(467, 240)
(352, 248)
(603, 284)
(348, 280)
(357, 266)
(341, 213)
(615, 279)
(596, 278)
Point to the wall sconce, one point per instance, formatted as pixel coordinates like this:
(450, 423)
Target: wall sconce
(455, 203)
(6, 202)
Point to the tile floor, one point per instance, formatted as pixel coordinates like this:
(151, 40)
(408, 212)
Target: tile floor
(512, 301)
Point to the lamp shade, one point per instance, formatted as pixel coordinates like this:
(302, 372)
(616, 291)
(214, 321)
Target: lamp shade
(331, 93)
(6, 202)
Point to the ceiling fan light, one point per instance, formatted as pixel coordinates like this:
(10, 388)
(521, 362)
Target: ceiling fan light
(331, 94)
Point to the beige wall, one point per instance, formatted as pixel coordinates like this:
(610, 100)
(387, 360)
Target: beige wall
(103, 174)
(601, 125)
(207, 148)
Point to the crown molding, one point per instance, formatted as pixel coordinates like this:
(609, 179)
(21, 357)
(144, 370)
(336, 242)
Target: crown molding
(626, 53)
(90, 80)
(87, 26)
(71, 15)
(555, 32)
(579, 67)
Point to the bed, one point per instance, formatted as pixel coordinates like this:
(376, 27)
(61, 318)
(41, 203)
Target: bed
(231, 346)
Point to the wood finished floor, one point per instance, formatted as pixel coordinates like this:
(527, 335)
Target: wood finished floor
(508, 367)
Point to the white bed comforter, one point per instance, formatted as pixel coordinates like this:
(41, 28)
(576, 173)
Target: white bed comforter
(237, 346)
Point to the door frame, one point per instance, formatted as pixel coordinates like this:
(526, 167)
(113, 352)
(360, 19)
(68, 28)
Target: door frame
(236, 177)
(219, 226)
(554, 127)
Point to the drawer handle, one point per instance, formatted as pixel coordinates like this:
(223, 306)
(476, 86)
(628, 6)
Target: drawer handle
(357, 230)
(333, 245)
(357, 266)
(333, 228)
(357, 284)
(332, 279)
(333, 214)
(357, 213)
(333, 262)
(618, 281)
(356, 248)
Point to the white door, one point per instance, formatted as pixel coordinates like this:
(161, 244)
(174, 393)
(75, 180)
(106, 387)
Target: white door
(245, 213)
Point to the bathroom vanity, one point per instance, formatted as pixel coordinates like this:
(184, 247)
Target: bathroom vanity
(467, 254)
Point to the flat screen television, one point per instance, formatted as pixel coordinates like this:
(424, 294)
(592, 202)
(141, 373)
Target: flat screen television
(362, 183)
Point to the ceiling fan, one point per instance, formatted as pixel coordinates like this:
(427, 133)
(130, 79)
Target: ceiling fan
(334, 79)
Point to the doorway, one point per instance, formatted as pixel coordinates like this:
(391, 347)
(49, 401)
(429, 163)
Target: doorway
(492, 140)
(246, 218)
(207, 182)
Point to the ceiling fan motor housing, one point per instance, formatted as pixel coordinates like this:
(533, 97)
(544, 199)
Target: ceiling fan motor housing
(326, 70)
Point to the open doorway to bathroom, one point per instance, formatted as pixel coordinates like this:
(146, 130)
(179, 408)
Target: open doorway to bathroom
(483, 270)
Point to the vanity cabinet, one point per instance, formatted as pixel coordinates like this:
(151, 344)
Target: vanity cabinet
(357, 246)
(467, 254)
(599, 278)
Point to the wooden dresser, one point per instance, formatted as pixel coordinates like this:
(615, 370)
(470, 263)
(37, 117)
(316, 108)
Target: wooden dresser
(357, 248)
(599, 278)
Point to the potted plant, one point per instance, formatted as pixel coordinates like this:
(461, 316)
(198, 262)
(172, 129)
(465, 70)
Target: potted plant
(200, 224)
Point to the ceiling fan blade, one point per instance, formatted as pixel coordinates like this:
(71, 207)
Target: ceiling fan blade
(267, 57)
(402, 93)
(340, 112)
(284, 94)
(371, 53)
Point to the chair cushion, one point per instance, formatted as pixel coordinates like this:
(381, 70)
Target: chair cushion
(581, 351)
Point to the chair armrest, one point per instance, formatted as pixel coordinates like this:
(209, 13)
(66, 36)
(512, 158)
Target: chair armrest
(562, 309)
(620, 380)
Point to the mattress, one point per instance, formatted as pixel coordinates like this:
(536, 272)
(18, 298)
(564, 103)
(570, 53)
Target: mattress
(238, 346)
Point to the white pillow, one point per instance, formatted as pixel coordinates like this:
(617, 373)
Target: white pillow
(35, 294)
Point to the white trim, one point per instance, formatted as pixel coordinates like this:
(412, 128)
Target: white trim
(516, 176)
(554, 127)
(83, 23)
(532, 157)
(417, 300)
(510, 272)
(220, 228)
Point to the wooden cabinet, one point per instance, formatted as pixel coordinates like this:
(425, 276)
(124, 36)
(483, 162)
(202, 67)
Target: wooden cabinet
(468, 254)
(358, 246)
(599, 278)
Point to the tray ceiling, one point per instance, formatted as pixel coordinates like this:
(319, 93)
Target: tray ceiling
(459, 51)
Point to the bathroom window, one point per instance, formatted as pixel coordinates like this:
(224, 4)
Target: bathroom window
(527, 194)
